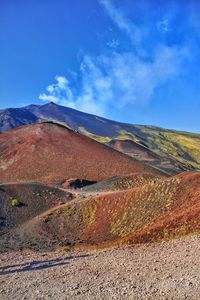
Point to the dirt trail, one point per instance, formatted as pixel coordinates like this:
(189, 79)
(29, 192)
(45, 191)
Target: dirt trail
(77, 192)
(81, 197)
(154, 272)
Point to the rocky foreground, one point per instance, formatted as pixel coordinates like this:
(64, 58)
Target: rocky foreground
(155, 271)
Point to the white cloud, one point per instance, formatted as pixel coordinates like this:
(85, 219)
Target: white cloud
(114, 43)
(59, 92)
(163, 25)
(50, 98)
(134, 33)
(110, 81)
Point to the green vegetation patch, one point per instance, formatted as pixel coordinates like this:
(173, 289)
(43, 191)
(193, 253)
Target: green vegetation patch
(182, 146)
(15, 203)
(151, 202)
(88, 214)
(98, 138)
(70, 211)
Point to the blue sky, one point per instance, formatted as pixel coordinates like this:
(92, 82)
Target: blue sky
(132, 61)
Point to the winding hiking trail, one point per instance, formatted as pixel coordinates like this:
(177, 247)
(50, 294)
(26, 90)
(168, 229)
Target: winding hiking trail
(156, 271)
(75, 192)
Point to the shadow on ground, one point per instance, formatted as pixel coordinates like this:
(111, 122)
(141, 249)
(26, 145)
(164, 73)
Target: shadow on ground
(38, 265)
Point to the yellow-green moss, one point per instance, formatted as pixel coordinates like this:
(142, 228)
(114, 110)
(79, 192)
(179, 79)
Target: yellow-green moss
(15, 202)
(88, 214)
(152, 201)
(98, 138)
(70, 210)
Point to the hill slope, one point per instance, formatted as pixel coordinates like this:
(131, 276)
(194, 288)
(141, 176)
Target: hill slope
(15, 117)
(157, 210)
(47, 152)
(173, 151)
(32, 199)
(170, 150)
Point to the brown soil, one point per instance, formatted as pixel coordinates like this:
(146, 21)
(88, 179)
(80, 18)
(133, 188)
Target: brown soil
(47, 152)
(146, 272)
(118, 183)
(141, 207)
(133, 149)
(33, 199)
(158, 210)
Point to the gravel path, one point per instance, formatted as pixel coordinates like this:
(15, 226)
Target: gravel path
(155, 271)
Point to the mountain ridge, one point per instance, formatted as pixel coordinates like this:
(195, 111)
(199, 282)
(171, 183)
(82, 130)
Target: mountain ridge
(47, 152)
(173, 151)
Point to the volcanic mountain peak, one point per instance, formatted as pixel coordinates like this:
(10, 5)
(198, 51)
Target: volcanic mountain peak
(169, 150)
(49, 105)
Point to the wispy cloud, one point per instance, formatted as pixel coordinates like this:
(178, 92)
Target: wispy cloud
(133, 32)
(59, 92)
(163, 24)
(110, 81)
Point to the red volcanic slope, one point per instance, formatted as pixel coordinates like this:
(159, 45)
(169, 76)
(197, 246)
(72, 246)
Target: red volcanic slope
(46, 152)
(133, 149)
(157, 211)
